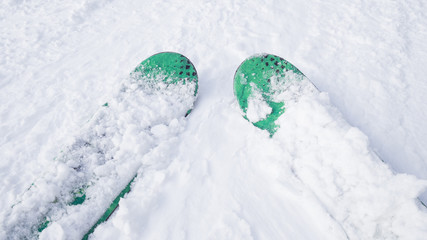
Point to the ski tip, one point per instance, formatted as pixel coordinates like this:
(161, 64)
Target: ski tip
(165, 70)
(258, 82)
(169, 67)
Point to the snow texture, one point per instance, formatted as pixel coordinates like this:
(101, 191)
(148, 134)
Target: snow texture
(258, 108)
(103, 159)
(348, 162)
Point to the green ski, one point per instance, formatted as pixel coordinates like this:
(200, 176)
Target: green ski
(263, 84)
(171, 68)
(160, 90)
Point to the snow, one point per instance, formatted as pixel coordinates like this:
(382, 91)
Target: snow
(348, 162)
(258, 108)
(103, 159)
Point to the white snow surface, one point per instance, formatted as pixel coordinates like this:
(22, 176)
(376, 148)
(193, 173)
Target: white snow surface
(258, 108)
(145, 113)
(348, 162)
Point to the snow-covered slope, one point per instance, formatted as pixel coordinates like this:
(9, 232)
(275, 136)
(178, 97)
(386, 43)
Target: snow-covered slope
(223, 178)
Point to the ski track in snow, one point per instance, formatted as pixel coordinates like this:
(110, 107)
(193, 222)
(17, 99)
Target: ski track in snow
(61, 61)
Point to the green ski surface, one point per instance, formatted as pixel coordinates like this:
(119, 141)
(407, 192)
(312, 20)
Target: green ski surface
(171, 68)
(261, 78)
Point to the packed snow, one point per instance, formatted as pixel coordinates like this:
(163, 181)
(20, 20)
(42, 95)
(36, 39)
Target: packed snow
(348, 162)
